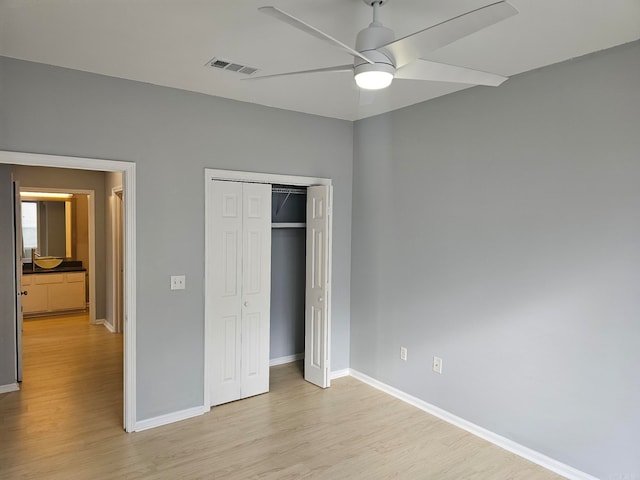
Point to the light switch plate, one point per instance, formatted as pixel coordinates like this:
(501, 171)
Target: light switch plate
(437, 364)
(403, 353)
(178, 282)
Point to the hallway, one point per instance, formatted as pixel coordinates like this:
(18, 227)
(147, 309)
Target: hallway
(72, 386)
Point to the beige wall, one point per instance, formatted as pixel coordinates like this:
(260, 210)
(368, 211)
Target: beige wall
(80, 248)
(112, 180)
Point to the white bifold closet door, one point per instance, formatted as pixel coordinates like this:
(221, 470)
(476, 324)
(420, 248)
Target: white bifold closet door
(240, 290)
(318, 287)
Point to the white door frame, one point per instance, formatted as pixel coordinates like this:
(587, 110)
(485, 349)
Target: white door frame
(129, 185)
(250, 177)
(91, 223)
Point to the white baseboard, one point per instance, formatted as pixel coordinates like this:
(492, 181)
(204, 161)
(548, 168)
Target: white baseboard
(170, 418)
(345, 372)
(286, 359)
(11, 387)
(502, 442)
(108, 326)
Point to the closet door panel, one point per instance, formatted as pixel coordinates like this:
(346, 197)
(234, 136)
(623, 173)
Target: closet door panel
(317, 338)
(317, 301)
(256, 288)
(230, 349)
(254, 267)
(225, 291)
(251, 345)
(230, 273)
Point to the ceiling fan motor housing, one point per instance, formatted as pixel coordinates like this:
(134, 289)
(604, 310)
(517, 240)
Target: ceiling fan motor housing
(367, 42)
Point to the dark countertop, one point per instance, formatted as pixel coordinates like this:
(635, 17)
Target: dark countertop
(29, 271)
(65, 266)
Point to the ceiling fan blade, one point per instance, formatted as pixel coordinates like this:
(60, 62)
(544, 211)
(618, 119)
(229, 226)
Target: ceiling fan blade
(311, 30)
(441, 72)
(338, 68)
(407, 49)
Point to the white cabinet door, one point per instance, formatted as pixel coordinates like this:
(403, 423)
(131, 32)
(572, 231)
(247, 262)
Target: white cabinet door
(68, 294)
(239, 289)
(317, 303)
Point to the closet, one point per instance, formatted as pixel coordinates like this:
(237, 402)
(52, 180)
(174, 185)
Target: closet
(288, 273)
(267, 281)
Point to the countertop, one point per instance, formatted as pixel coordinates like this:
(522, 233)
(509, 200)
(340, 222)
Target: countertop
(65, 266)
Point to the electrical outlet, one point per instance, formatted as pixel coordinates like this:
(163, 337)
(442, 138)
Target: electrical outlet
(437, 364)
(178, 282)
(403, 353)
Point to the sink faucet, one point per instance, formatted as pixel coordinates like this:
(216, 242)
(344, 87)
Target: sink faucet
(34, 255)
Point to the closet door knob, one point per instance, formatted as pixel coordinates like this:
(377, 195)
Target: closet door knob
(246, 304)
(320, 299)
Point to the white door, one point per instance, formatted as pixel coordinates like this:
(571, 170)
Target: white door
(239, 295)
(317, 302)
(17, 244)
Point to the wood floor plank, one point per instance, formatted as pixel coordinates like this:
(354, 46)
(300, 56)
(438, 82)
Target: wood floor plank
(66, 423)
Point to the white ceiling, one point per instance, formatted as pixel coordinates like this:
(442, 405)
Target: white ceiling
(168, 42)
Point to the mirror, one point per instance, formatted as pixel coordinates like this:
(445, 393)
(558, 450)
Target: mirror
(46, 226)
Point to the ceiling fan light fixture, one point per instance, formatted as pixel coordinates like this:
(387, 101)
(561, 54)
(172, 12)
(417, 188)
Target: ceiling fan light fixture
(373, 80)
(374, 76)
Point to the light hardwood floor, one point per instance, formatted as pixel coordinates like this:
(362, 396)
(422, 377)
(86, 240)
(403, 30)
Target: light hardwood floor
(66, 423)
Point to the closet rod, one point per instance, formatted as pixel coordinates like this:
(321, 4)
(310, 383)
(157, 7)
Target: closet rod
(288, 225)
(289, 190)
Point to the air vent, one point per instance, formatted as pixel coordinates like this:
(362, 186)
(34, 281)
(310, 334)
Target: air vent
(221, 64)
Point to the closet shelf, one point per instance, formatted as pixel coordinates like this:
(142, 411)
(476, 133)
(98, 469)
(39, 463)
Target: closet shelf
(289, 225)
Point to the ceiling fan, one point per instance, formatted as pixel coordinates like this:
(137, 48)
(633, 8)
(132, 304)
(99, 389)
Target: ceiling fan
(379, 57)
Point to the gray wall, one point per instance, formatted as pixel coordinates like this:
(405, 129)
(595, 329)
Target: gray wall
(173, 136)
(288, 275)
(500, 230)
(75, 179)
(7, 280)
(288, 283)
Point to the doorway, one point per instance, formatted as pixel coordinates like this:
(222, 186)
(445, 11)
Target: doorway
(288, 273)
(54, 239)
(128, 171)
(79, 226)
(318, 268)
